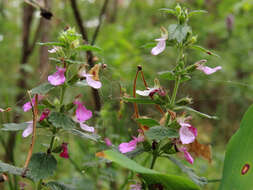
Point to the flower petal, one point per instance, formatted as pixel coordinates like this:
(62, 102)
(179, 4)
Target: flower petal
(58, 77)
(186, 135)
(136, 186)
(28, 130)
(54, 49)
(93, 83)
(87, 128)
(64, 153)
(208, 70)
(108, 142)
(82, 114)
(2, 110)
(44, 114)
(187, 155)
(128, 147)
(27, 106)
(160, 47)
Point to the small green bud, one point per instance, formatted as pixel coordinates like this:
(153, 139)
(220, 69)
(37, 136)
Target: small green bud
(178, 9)
(194, 39)
(184, 101)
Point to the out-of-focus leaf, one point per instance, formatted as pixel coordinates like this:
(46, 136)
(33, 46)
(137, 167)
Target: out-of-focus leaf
(14, 126)
(60, 120)
(160, 133)
(189, 171)
(70, 61)
(54, 185)
(10, 169)
(169, 75)
(200, 48)
(42, 165)
(42, 89)
(196, 12)
(51, 44)
(139, 100)
(152, 177)
(89, 48)
(178, 32)
(93, 137)
(169, 11)
(195, 111)
(147, 122)
(237, 171)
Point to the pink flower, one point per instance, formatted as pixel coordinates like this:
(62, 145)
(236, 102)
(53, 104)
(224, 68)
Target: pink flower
(136, 186)
(58, 77)
(64, 153)
(82, 114)
(2, 110)
(91, 82)
(27, 106)
(187, 155)
(44, 114)
(208, 70)
(160, 47)
(28, 130)
(147, 92)
(54, 50)
(187, 133)
(108, 142)
(130, 146)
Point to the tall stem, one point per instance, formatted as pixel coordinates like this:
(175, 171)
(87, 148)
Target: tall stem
(63, 89)
(153, 161)
(39, 187)
(174, 94)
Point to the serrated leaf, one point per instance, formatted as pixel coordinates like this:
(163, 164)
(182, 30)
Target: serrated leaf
(139, 100)
(51, 44)
(10, 169)
(178, 32)
(237, 171)
(200, 48)
(60, 120)
(14, 126)
(147, 122)
(160, 133)
(93, 137)
(169, 182)
(196, 12)
(169, 75)
(54, 185)
(42, 89)
(42, 165)
(89, 48)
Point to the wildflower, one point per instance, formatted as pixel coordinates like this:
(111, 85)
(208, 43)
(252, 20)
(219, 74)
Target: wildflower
(54, 50)
(64, 153)
(44, 114)
(92, 77)
(82, 115)
(131, 145)
(187, 155)
(208, 70)
(187, 133)
(27, 106)
(2, 110)
(151, 91)
(28, 130)
(161, 45)
(136, 186)
(58, 77)
(108, 142)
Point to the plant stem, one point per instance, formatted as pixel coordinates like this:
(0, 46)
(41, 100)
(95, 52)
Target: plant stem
(63, 89)
(153, 161)
(39, 187)
(174, 94)
(51, 144)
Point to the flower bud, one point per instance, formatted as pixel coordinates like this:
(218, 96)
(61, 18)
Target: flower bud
(178, 9)
(184, 101)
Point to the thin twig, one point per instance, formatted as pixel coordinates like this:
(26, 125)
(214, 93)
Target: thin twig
(35, 116)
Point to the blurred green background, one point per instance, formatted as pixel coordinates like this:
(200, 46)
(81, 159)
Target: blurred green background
(128, 26)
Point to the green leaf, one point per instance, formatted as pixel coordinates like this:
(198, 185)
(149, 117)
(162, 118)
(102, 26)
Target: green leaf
(238, 171)
(147, 122)
(169, 75)
(60, 120)
(160, 133)
(169, 182)
(54, 185)
(139, 100)
(89, 48)
(169, 11)
(93, 137)
(69, 61)
(196, 112)
(42, 165)
(196, 12)
(14, 126)
(200, 48)
(51, 44)
(178, 32)
(42, 89)
(10, 169)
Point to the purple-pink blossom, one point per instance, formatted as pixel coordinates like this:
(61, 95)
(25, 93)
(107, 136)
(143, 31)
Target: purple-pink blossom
(187, 155)
(2, 110)
(28, 130)
(44, 114)
(208, 70)
(58, 77)
(90, 81)
(187, 133)
(27, 106)
(136, 186)
(160, 47)
(131, 145)
(64, 153)
(108, 142)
